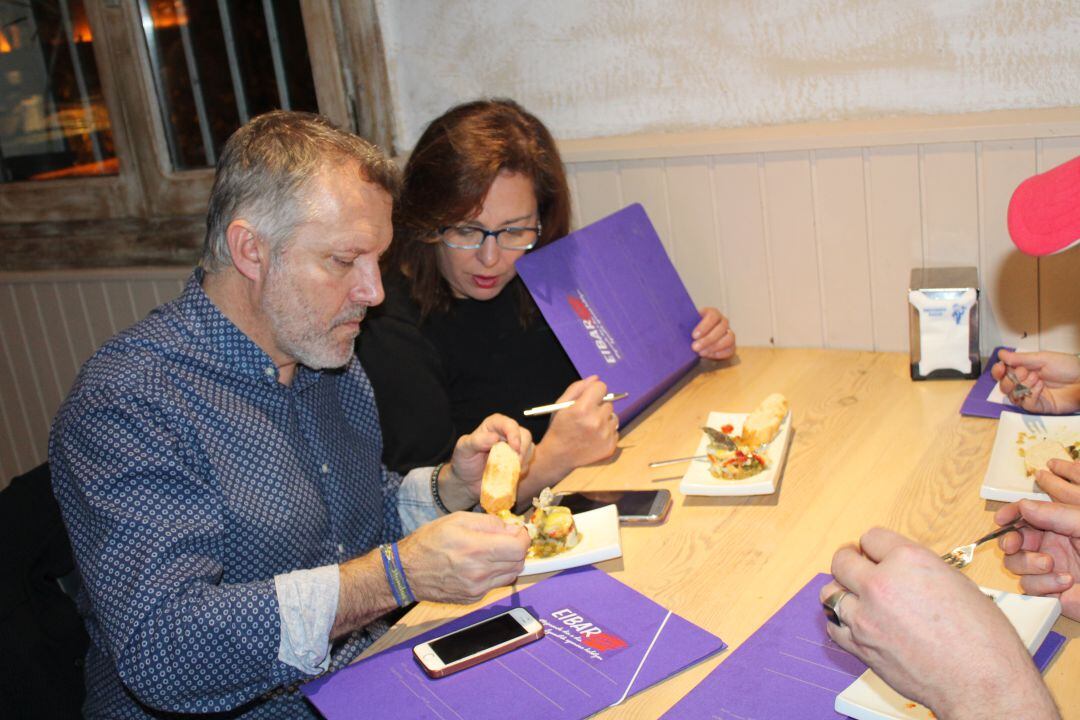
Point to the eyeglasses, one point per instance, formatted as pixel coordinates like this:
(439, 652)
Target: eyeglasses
(470, 237)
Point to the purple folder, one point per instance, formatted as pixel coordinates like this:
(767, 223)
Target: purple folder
(603, 642)
(617, 305)
(976, 403)
(790, 668)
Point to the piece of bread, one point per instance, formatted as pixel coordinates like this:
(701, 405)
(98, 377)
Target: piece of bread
(762, 425)
(498, 487)
(1037, 455)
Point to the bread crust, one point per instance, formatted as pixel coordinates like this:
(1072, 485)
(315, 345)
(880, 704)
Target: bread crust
(763, 423)
(498, 487)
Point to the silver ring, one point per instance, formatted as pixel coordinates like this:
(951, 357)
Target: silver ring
(831, 606)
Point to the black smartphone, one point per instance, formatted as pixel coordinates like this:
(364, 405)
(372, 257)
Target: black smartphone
(478, 642)
(646, 507)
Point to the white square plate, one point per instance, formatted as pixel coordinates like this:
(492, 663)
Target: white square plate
(599, 530)
(699, 481)
(1005, 478)
(869, 698)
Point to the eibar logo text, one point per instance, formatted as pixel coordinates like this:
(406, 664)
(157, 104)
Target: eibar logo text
(605, 343)
(589, 634)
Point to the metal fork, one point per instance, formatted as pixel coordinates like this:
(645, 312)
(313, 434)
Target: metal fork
(962, 556)
(1034, 424)
(1021, 390)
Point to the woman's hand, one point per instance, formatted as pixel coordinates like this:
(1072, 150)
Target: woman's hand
(584, 433)
(713, 338)
(1046, 553)
(1061, 481)
(1052, 377)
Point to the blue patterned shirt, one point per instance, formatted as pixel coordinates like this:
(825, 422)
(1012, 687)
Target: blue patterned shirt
(189, 479)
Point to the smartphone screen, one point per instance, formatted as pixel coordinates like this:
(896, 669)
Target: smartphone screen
(630, 503)
(471, 640)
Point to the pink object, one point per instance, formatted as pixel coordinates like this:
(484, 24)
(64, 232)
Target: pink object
(1044, 213)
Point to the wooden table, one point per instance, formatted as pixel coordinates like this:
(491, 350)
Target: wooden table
(870, 447)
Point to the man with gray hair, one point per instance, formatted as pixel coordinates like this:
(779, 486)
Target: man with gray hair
(218, 463)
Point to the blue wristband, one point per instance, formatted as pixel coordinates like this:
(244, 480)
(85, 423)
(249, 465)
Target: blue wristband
(396, 587)
(404, 581)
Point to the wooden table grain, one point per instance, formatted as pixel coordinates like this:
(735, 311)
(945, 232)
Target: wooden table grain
(870, 447)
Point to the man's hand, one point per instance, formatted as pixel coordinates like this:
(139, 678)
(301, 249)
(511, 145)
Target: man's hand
(1046, 554)
(930, 633)
(458, 558)
(713, 338)
(586, 432)
(459, 483)
(1052, 377)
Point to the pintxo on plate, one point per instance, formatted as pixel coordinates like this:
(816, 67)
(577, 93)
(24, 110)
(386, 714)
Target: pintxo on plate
(742, 456)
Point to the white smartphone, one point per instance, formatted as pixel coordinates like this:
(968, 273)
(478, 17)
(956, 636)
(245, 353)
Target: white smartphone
(645, 507)
(478, 642)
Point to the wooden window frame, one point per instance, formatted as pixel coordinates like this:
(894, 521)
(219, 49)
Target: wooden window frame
(107, 218)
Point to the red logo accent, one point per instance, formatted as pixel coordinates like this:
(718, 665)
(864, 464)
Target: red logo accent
(579, 308)
(604, 642)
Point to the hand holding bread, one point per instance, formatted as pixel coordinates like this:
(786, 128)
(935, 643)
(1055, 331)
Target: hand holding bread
(459, 484)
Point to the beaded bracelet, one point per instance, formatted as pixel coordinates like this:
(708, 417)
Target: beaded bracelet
(435, 489)
(395, 575)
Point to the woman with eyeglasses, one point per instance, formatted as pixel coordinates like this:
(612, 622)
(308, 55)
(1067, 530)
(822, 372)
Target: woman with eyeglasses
(458, 338)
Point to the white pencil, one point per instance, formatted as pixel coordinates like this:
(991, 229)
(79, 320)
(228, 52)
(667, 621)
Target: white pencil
(555, 407)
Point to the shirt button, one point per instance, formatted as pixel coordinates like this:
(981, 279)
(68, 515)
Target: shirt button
(324, 469)
(270, 371)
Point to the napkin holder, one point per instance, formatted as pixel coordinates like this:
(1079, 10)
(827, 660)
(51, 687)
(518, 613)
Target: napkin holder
(943, 319)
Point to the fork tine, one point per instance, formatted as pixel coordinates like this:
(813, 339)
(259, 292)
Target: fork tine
(959, 557)
(1034, 424)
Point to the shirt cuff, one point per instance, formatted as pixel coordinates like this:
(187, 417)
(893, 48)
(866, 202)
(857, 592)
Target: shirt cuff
(307, 607)
(416, 506)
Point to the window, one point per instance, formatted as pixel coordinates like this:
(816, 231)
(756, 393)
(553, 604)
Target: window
(53, 119)
(217, 64)
(114, 112)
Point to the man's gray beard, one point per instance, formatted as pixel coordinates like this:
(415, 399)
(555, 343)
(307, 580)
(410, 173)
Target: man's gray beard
(308, 351)
(289, 320)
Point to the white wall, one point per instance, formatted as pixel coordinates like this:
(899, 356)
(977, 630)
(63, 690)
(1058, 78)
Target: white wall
(611, 67)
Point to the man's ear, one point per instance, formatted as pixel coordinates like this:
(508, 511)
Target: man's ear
(250, 255)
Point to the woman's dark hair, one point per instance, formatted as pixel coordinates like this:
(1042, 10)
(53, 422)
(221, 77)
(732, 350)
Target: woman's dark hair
(447, 177)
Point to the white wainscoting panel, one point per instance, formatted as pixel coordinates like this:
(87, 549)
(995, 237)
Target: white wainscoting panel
(840, 226)
(51, 324)
(894, 226)
(744, 255)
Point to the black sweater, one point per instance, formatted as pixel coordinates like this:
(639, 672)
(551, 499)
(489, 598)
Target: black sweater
(437, 380)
